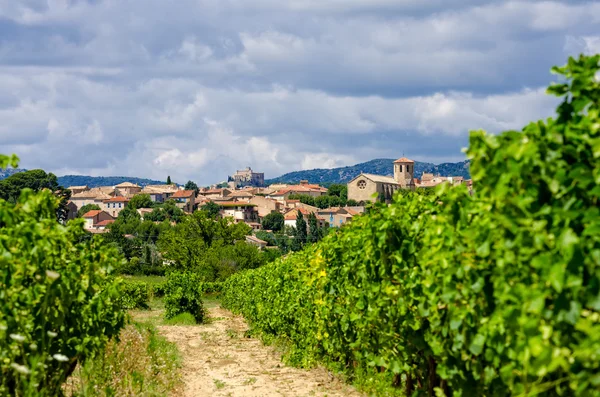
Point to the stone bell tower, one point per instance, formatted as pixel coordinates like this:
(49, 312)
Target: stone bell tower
(403, 173)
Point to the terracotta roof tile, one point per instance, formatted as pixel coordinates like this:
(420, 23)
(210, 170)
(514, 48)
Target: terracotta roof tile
(183, 194)
(105, 223)
(404, 160)
(92, 213)
(117, 199)
(293, 214)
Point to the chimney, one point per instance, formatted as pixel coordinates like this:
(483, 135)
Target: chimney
(304, 182)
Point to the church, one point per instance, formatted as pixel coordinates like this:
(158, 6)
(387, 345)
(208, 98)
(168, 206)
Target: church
(369, 187)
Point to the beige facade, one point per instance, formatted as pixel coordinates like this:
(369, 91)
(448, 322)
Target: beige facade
(239, 211)
(338, 216)
(78, 189)
(127, 189)
(265, 206)
(215, 193)
(160, 193)
(92, 196)
(369, 187)
(248, 177)
(115, 205)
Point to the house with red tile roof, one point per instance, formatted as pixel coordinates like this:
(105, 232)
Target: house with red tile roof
(185, 199)
(291, 216)
(309, 190)
(215, 193)
(338, 216)
(95, 217)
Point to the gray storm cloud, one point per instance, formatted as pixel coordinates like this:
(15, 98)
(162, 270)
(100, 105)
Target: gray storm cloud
(201, 88)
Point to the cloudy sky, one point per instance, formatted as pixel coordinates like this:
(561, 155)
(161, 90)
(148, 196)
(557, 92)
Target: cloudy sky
(198, 88)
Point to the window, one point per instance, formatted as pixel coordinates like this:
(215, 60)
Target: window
(119, 205)
(362, 184)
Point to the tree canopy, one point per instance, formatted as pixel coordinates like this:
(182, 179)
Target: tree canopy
(273, 221)
(212, 209)
(87, 208)
(190, 185)
(300, 234)
(36, 180)
(140, 201)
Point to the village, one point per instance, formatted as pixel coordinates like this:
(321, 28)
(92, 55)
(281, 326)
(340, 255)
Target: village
(246, 199)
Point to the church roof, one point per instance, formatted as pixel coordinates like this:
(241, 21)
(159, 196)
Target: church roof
(380, 178)
(403, 160)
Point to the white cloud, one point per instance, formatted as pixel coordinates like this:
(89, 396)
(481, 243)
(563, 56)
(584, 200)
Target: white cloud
(115, 87)
(326, 160)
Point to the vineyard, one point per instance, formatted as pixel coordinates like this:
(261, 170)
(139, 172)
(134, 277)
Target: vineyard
(494, 294)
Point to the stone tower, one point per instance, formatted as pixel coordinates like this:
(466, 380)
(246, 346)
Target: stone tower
(403, 173)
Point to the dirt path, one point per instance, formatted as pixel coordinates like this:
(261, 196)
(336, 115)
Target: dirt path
(219, 361)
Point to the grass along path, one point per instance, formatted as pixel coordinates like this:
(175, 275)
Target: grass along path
(218, 360)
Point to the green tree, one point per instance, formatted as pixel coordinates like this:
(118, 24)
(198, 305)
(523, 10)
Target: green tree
(490, 294)
(187, 243)
(165, 211)
(339, 190)
(169, 180)
(273, 221)
(140, 201)
(283, 242)
(59, 301)
(212, 209)
(266, 236)
(304, 198)
(36, 180)
(314, 231)
(191, 186)
(87, 208)
(300, 235)
(352, 203)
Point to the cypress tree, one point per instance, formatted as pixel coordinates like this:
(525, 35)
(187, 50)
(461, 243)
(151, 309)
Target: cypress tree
(314, 231)
(300, 236)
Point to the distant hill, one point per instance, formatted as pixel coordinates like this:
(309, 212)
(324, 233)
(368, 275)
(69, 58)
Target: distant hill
(94, 181)
(377, 166)
(9, 171)
(90, 181)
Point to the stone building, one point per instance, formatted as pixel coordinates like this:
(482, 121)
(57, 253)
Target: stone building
(127, 189)
(247, 177)
(370, 187)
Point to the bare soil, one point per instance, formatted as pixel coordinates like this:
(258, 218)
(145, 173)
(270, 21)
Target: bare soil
(218, 360)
